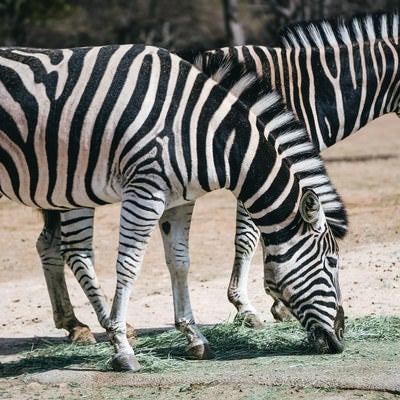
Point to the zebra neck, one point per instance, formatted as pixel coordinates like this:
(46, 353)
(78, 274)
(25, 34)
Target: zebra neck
(270, 192)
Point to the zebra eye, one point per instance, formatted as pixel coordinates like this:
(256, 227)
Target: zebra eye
(332, 262)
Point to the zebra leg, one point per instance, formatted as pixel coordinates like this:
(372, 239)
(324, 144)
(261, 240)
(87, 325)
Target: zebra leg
(138, 218)
(77, 250)
(246, 240)
(76, 247)
(174, 227)
(280, 311)
(48, 247)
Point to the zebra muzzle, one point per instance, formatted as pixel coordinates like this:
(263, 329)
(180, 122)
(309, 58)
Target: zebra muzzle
(336, 340)
(332, 342)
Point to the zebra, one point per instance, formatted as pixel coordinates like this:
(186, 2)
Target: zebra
(358, 82)
(77, 231)
(335, 76)
(138, 125)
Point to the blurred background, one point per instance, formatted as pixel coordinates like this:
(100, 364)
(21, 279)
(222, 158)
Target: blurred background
(173, 24)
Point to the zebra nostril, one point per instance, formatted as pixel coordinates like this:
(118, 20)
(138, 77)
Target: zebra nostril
(340, 334)
(339, 321)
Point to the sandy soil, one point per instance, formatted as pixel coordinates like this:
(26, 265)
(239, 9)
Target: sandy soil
(366, 171)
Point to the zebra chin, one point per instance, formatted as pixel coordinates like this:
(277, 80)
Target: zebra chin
(324, 341)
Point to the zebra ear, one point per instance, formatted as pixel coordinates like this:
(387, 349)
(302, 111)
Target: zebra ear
(310, 207)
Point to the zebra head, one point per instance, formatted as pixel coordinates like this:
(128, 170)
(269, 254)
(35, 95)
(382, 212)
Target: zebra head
(301, 270)
(280, 194)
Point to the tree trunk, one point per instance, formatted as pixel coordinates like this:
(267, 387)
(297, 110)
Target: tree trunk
(233, 27)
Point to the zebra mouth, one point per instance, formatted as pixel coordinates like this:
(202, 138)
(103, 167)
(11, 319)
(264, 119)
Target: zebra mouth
(326, 342)
(329, 342)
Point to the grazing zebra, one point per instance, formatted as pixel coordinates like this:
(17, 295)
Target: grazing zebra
(135, 124)
(336, 77)
(77, 231)
(319, 63)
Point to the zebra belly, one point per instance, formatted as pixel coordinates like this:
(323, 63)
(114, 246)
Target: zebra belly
(60, 204)
(41, 197)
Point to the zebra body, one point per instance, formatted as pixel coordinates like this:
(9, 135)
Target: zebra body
(90, 126)
(65, 117)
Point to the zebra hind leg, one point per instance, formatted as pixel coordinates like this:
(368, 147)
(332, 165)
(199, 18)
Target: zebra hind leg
(174, 227)
(246, 240)
(77, 250)
(48, 247)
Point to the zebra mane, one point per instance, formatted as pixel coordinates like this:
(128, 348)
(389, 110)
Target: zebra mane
(292, 141)
(228, 73)
(333, 33)
(281, 129)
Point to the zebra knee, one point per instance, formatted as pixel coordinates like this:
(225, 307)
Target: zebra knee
(245, 247)
(48, 246)
(177, 259)
(179, 269)
(48, 242)
(78, 253)
(43, 242)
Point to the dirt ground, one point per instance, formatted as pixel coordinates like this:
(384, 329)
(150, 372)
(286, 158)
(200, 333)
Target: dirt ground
(365, 170)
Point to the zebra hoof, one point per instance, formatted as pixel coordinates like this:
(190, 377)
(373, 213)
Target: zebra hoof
(280, 312)
(199, 352)
(252, 321)
(125, 362)
(249, 320)
(81, 335)
(131, 335)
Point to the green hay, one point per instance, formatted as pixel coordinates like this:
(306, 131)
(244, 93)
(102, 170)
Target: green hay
(385, 328)
(164, 351)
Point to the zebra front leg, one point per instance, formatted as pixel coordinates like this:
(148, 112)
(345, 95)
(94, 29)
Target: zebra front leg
(246, 240)
(281, 312)
(138, 218)
(48, 247)
(174, 226)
